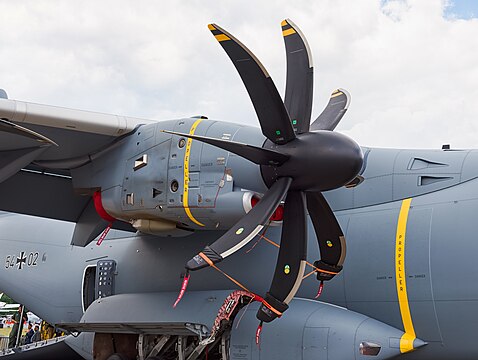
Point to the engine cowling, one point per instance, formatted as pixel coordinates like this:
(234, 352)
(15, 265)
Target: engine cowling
(164, 184)
(309, 330)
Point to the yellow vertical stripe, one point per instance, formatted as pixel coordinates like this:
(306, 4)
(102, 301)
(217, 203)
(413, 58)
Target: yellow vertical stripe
(406, 342)
(186, 174)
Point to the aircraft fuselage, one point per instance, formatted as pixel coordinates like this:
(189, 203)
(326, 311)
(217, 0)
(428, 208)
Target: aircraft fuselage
(410, 263)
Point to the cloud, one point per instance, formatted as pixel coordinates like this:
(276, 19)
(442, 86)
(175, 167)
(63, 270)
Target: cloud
(411, 70)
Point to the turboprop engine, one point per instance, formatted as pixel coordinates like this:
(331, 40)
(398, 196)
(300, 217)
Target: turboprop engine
(170, 185)
(200, 325)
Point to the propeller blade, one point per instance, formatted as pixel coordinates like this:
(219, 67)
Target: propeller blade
(291, 260)
(7, 126)
(329, 236)
(252, 153)
(245, 229)
(334, 111)
(300, 77)
(13, 161)
(271, 112)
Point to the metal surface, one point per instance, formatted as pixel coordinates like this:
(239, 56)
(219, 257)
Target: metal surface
(53, 349)
(407, 225)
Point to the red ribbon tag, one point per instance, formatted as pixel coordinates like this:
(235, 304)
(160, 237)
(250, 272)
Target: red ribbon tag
(105, 232)
(183, 289)
(319, 292)
(258, 335)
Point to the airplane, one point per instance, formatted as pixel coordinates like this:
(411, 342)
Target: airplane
(106, 218)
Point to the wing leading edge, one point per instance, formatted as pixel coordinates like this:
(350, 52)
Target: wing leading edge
(40, 134)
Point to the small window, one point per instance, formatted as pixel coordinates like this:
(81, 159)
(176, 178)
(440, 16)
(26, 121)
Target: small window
(130, 199)
(141, 162)
(174, 185)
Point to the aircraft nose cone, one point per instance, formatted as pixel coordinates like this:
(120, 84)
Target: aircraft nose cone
(346, 159)
(319, 161)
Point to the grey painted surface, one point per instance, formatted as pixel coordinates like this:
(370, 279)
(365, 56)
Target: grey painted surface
(311, 330)
(440, 248)
(370, 256)
(82, 344)
(100, 152)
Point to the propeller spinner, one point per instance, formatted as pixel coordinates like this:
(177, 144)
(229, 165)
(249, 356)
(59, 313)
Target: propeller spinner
(296, 163)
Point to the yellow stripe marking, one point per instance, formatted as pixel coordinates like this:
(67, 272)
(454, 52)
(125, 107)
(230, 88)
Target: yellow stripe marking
(211, 27)
(406, 342)
(186, 174)
(222, 37)
(336, 94)
(283, 23)
(288, 32)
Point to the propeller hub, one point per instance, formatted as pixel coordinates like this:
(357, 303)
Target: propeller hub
(319, 161)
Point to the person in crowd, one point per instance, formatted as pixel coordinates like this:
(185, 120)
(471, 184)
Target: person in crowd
(18, 319)
(29, 334)
(36, 334)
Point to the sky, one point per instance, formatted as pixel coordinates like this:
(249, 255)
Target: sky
(411, 66)
(462, 9)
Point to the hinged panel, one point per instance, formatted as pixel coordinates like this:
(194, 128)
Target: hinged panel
(105, 278)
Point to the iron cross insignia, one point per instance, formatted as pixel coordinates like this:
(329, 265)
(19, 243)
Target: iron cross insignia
(21, 260)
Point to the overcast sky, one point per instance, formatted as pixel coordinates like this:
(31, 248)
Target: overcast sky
(410, 65)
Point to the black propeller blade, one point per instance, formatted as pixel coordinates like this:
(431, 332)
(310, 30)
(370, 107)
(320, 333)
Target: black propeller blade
(300, 166)
(334, 111)
(270, 110)
(329, 236)
(12, 161)
(291, 261)
(257, 155)
(245, 230)
(7, 126)
(300, 77)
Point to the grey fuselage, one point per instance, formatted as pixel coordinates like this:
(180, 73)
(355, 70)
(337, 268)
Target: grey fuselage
(439, 253)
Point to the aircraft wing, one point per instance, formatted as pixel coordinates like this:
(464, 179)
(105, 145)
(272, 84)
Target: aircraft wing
(33, 136)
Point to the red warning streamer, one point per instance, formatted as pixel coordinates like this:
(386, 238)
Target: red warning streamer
(258, 335)
(184, 286)
(103, 235)
(319, 292)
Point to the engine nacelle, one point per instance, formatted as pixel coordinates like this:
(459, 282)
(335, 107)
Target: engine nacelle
(161, 183)
(309, 330)
(229, 206)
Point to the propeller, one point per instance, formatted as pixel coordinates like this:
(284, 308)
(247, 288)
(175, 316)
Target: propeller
(296, 164)
(10, 127)
(13, 160)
